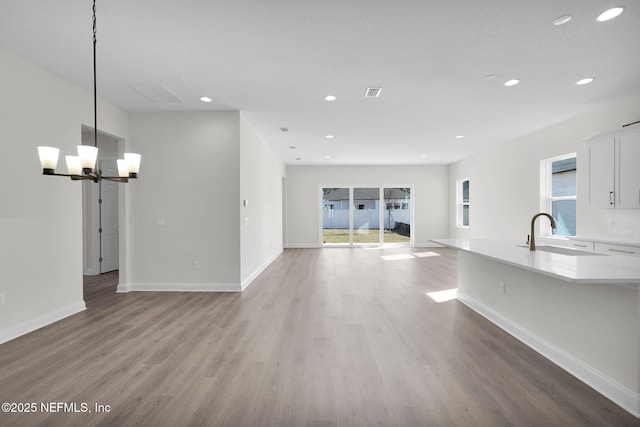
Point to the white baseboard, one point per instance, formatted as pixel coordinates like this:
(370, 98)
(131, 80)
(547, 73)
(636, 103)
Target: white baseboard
(428, 245)
(178, 287)
(195, 287)
(31, 325)
(245, 283)
(90, 272)
(314, 246)
(302, 246)
(614, 391)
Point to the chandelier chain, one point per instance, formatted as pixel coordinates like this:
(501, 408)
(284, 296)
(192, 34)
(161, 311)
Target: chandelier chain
(95, 86)
(94, 21)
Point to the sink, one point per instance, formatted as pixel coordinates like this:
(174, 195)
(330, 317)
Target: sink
(564, 251)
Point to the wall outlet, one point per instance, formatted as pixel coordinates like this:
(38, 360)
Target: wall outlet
(1, 299)
(502, 288)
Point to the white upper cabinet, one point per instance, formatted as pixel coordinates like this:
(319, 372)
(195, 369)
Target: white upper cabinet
(628, 165)
(614, 170)
(601, 173)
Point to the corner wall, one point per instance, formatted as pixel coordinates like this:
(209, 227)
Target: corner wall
(183, 212)
(260, 221)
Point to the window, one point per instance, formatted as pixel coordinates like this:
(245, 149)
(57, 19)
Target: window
(462, 196)
(558, 185)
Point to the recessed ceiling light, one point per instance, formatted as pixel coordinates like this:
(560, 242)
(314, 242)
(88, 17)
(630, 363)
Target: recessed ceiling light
(610, 14)
(205, 99)
(584, 81)
(460, 136)
(424, 156)
(327, 157)
(512, 82)
(490, 76)
(330, 98)
(329, 136)
(562, 19)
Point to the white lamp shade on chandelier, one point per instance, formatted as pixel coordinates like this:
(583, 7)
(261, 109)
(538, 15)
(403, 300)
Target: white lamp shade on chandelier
(48, 157)
(88, 156)
(133, 161)
(123, 168)
(74, 165)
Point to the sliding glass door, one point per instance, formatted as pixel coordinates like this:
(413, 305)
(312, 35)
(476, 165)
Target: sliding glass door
(397, 214)
(366, 215)
(336, 225)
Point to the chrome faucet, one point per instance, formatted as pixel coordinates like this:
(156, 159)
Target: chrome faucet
(532, 241)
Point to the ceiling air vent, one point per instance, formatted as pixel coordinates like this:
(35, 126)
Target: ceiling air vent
(284, 129)
(373, 92)
(156, 93)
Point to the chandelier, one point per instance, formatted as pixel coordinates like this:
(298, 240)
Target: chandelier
(83, 166)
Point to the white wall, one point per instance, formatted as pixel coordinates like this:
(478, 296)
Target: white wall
(41, 217)
(183, 211)
(505, 181)
(260, 221)
(429, 197)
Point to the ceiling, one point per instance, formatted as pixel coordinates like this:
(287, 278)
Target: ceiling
(276, 60)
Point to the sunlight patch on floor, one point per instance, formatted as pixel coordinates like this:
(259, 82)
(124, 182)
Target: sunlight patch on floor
(424, 254)
(443, 296)
(409, 256)
(396, 257)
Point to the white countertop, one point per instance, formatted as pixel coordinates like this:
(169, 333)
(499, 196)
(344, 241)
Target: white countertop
(614, 269)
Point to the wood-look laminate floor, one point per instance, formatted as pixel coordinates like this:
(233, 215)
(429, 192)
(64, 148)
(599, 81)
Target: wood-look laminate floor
(324, 337)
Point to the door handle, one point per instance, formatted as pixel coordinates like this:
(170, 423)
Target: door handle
(611, 198)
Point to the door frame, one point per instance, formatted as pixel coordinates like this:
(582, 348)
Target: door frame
(90, 208)
(102, 234)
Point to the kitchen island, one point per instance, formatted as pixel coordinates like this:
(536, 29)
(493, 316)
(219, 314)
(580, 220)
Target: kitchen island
(579, 309)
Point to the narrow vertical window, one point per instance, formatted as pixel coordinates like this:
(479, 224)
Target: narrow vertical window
(559, 187)
(462, 191)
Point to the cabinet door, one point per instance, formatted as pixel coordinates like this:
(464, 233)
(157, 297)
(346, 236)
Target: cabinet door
(601, 173)
(628, 171)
